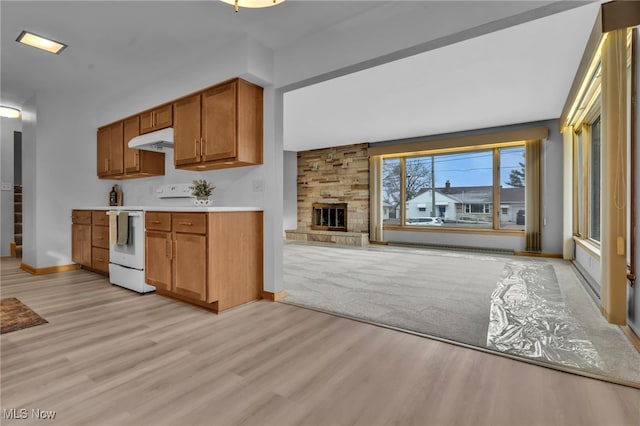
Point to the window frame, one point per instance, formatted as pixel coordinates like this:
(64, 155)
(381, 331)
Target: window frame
(582, 142)
(494, 213)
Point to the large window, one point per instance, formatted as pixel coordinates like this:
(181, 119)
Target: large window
(477, 188)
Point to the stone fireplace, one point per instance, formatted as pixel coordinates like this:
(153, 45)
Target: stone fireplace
(333, 195)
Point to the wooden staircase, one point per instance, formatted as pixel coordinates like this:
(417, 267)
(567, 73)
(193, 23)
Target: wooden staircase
(17, 221)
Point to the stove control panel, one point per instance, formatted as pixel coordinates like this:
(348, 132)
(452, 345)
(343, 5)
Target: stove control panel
(174, 190)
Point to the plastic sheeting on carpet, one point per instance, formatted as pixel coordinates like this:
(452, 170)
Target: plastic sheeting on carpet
(528, 317)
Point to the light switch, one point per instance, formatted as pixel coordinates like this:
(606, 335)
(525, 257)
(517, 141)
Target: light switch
(6, 186)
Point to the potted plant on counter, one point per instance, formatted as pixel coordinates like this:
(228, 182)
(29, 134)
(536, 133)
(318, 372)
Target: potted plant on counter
(201, 189)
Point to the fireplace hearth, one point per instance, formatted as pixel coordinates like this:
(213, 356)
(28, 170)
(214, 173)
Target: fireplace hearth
(329, 217)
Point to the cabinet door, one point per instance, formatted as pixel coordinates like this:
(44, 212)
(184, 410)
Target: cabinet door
(100, 259)
(163, 117)
(157, 259)
(219, 122)
(116, 149)
(103, 151)
(81, 244)
(156, 119)
(190, 265)
(100, 236)
(131, 156)
(186, 131)
(146, 122)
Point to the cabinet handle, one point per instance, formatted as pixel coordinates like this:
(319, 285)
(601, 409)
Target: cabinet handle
(203, 147)
(169, 249)
(106, 164)
(185, 223)
(155, 221)
(153, 118)
(99, 259)
(197, 151)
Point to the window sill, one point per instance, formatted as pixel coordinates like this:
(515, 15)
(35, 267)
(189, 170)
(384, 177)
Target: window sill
(588, 246)
(444, 229)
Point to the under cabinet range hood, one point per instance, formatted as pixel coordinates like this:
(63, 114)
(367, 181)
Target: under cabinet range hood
(154, 141)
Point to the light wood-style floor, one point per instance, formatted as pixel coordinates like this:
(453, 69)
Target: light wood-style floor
(111, 357)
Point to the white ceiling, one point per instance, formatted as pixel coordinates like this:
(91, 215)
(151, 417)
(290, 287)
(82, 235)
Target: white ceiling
(520, 73)
(515, 75)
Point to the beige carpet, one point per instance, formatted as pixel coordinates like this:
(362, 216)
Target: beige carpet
(449, 295)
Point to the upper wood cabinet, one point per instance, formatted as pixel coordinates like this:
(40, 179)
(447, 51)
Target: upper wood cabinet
(156, 119)
(139, 163)
(219, 127)
(117, 161)
(215, 128)
(110, 150)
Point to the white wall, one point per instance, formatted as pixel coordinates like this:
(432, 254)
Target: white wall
(290, 176)
(552, 191)
(8, 127)
(500, 242)
(29, 178)
(589, 264)
(59, 171)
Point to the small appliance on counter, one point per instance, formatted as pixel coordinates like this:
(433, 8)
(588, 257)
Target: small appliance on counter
(115, 196)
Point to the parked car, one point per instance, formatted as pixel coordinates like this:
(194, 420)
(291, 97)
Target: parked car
(427, 221)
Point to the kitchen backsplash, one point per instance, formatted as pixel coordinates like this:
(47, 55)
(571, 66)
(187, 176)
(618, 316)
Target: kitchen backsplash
(236, 187)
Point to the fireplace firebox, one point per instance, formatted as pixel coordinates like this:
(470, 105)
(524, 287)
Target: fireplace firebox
(329, 217)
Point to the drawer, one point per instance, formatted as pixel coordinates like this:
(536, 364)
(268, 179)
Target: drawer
(100, 259)
(100, 236)
(157, 221)
(190, 223)
(100, 217)
(81, 217)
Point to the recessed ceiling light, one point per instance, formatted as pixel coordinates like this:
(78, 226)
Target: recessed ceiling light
(40, 42)
(9, 112)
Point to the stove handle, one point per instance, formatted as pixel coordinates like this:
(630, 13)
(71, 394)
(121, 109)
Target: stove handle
(131, 214)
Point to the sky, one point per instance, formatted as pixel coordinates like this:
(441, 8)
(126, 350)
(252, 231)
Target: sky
(473, 168)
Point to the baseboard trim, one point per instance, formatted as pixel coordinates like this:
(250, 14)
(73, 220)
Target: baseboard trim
(49, 270)
(538, 254)
(632, 336)
(273, 297)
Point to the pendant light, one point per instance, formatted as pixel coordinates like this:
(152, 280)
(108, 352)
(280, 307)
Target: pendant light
(252, 3)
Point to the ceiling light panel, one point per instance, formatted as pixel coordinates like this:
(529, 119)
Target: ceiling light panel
(9, 112)
(43, 43)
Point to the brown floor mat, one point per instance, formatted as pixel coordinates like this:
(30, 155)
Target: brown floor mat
(15, 315)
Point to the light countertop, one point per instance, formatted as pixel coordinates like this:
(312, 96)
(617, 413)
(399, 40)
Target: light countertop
(174, 208)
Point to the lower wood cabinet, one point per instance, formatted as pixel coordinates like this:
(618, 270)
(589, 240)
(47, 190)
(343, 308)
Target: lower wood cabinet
(81, 244)
(90, 239)
(213, 260)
